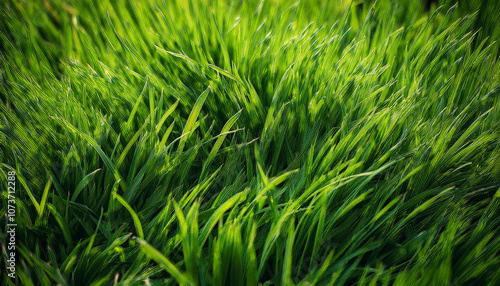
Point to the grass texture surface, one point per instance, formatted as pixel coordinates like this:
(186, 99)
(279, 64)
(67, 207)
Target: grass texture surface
(251, 142)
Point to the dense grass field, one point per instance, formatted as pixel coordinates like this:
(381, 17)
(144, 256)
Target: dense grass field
(250, 142)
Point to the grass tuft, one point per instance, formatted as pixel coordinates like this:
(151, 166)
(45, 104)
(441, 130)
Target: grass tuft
(251, 142)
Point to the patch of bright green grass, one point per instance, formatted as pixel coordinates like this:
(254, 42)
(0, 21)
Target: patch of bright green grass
(251, 142)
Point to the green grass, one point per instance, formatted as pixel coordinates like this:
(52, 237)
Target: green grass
(251, 142)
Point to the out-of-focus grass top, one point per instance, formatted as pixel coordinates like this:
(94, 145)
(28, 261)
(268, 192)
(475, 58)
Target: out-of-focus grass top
(251, 142)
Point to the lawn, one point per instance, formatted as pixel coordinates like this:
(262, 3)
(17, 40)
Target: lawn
(249, 142)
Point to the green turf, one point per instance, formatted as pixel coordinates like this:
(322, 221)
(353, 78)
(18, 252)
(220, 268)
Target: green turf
(251, 142)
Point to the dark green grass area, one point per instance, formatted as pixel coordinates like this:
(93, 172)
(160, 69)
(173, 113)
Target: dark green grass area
(251, 142)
